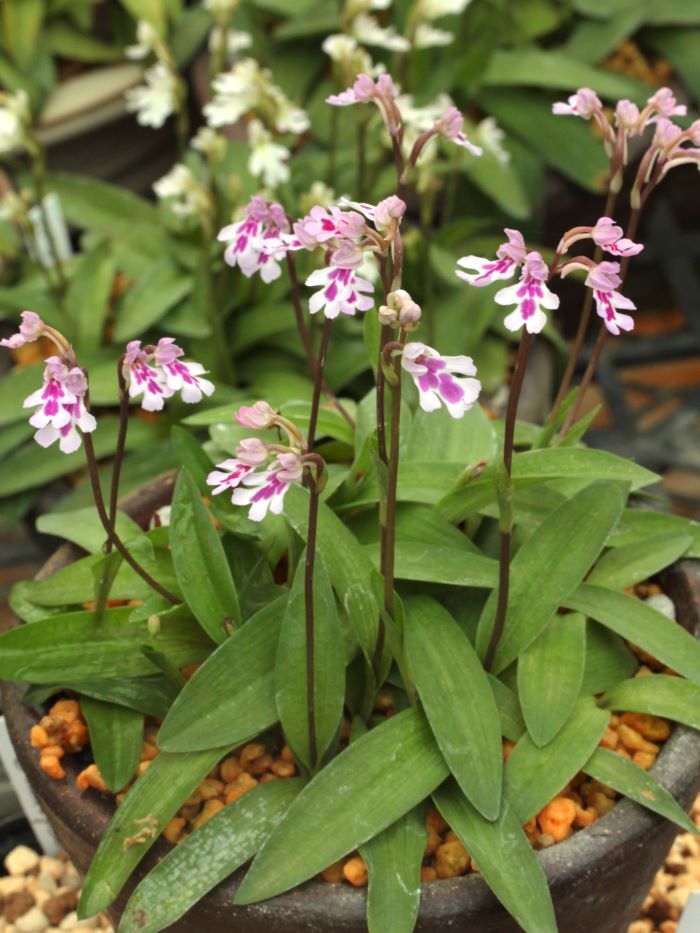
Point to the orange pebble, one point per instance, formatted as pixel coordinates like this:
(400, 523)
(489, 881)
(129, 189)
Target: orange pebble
(267, 777)
(210, 808)
(283, 769)
(355, 871)
(66, 709)
(39, 737)
(434, 821)
(77, 736)
(91, 777)
(451, 859)
(644, 759)
(230, 769)
(428, 874)
(584, 817)
(250, 752)
(287, 754)
(51, 766)
(432, 843)
(651, 727)
(610, 739)
(557, 817)
(633, 741)
(173, 830)
(261, 765)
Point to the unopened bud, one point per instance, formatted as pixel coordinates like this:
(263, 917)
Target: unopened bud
(400, 311)
(153, 625)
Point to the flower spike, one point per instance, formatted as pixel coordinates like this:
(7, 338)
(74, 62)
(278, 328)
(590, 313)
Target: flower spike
(61, 407)
(157, 373)
(435, 379)
(530, 295)
(265, 491)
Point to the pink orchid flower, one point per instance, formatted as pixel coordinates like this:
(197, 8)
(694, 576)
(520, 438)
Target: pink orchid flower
(61, 408)
(31, 328)
(265, 491)
(509, 255)
(441, 379)
(604, 280)
(530, 295)
(250, 454)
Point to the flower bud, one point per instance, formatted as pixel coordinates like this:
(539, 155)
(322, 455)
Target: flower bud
(400, 311)
(260, 415)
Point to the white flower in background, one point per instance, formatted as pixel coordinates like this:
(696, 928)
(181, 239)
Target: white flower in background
(367, 29)
(268, 159)
(426, 36)
(247, 88)
(490, 136)
(208, 142)
(434, 9)
(351, 58)
(232, 41)
(339, 47)
(422, 118)
(15, 118)
(154, 101)
(190, 197)
(147, 41)
(318, 193)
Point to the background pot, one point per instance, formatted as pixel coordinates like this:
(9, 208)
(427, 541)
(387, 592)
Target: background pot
(599, 877)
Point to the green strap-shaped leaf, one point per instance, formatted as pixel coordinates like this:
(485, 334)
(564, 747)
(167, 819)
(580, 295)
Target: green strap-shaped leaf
(377, 779)
(629, 779)
(535, 466)
(349, 567)
(624, 566)
(512, 722)
(639, 524)
(608, 659)
(151, 695)
(645, 627)
(533, 776)
(153, 294)
(458, 701)
(660, 695)
(116, 736)
(393, 860)
(208, 856)
(569, 540)
(506, 860)
(88, 297)
(145, 811)
(86, 645)
(431, 564)
(328, 667)
(550, 674)
(200, 562)
(240, 676)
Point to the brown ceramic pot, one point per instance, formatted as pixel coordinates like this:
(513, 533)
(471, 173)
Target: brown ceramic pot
(599, 877)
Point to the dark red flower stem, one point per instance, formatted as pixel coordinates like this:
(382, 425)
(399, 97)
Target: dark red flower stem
(312, 485)
(318, 381)
(119, 451)
(507, 533)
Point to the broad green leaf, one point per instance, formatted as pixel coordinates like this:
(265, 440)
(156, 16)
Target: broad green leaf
(550, 674)
(536, 466)
(506, 860)
(240, 674)
(629, 779)
(533, 776)
(674, 13)
(146, 810)
(327, 675)
(509, 712)
(68, 41)
(349, 567)
(679, 46)
(658, 694)
(565, 143)
(200, 562)
(116, 737)
(624, 566)
(393, 860)
(608, 659)
(466, 440)
(150, 298)
(645, 627)
(207, 857)
(151, 695)
(366, 788)
(639, 524)
(452, 686)
(21, 28)
(83, 645)
(536, 67)
(418, 482)
(84, 528)
(88, 297)
(500, 182)
(569, 539)
(431, 564)
(591, 41)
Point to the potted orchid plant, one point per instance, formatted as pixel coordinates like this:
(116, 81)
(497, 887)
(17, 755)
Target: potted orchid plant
(389, 640)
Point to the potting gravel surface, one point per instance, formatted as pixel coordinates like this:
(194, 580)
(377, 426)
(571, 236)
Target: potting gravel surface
(39, 894)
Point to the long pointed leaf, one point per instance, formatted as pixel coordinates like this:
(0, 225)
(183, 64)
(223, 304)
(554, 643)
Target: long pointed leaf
(550, 674)
(393, 860)
(569, 539)
(506, 860)
(116, 736)
(208, 856)
(645, 627)
(608, 659)
(624, 566)
(458, 701)
(200, 562)
(660, 695)
(533, 776)
(240, 676)
(381, 776)
(629, 779)
(148, 807)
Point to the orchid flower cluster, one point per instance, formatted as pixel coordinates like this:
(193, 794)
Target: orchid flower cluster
(155, 373)
(163, 91)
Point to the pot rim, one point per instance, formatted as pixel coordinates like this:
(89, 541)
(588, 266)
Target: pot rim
(572, 861)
